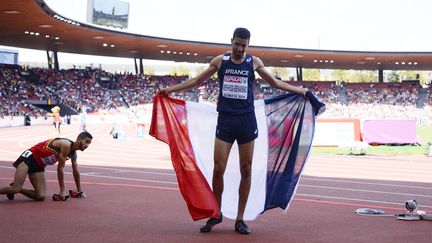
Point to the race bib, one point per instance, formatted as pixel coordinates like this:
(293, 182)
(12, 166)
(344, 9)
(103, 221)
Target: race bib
(50, 160)
(26, 154)
(235, 87)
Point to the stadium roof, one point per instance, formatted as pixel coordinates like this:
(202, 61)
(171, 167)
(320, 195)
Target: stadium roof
(32, 24)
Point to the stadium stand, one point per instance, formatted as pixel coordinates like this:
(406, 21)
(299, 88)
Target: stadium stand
(22, 89)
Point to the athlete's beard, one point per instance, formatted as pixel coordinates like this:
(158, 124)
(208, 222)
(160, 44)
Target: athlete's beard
(238, 55)
(81, 147)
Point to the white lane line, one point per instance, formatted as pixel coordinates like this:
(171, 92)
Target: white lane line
(300, 194)
(358, 200)
(117, 153)
(424, 174)
(385, 159)
(96, 174)
(86, 173)
(363, 190)
(366, 167)
(127, 170)
(10, 152)
(365, 183)
(133, 179)
(144, 164)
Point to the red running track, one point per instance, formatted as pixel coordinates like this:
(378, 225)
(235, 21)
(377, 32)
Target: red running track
(133, 197)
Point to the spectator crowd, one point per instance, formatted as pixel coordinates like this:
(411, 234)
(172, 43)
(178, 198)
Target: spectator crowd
(102, 91)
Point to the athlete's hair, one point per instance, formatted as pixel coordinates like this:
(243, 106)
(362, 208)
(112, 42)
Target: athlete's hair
(84, 135)
(242, 33)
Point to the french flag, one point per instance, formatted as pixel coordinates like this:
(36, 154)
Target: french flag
(286, 127)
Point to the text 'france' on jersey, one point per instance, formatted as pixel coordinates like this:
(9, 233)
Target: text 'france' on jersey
(236, 85)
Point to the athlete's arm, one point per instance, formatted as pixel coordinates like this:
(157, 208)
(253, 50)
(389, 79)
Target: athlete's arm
(266, 75)
(64, 151)
(75, 172)
(190, 83)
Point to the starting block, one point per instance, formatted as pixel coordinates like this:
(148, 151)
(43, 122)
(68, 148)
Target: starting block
(411, 216)
(412, 213)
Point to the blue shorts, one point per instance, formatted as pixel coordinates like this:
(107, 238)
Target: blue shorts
(242, 128)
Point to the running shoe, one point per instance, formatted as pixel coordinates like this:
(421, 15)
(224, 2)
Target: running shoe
(241, 227)
(10, 196)
(210, 223)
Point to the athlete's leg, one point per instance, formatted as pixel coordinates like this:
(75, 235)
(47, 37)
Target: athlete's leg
(38, 181)
(221, 153)
(246, 155)
(19, 179)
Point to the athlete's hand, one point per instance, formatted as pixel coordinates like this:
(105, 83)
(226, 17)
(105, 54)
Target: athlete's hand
(77, 194)
(58, 197)
(303, 92)
(166, 91)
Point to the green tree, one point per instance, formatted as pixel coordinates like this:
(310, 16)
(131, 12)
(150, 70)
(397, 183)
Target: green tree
(341, 75)
(412, 75)
(180, 71)
(149, 71)
(199, 69)
(280, 72)
(311, 74)
(393, 76)
(364, 76)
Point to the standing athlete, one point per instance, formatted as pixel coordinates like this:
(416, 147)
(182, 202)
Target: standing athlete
(34, 160)
(236, 119)
(56, 118)
(83, 119)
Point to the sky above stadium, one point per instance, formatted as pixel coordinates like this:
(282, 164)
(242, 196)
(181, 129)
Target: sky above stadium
(371, 25)
(366, 25)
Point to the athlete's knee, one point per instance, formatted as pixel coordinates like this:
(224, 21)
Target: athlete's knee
(40, 197)
(218, 171)
(245, 170)
(16, 189)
